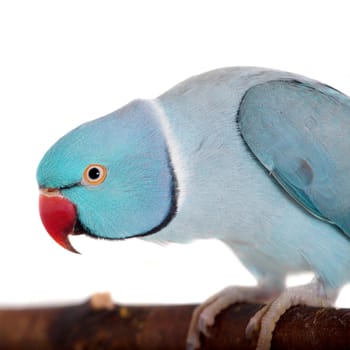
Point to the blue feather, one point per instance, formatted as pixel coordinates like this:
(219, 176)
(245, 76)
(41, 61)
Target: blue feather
(301, 134)
(179, 169)
(139, 194)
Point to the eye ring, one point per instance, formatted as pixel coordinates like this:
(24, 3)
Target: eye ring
(94, 174)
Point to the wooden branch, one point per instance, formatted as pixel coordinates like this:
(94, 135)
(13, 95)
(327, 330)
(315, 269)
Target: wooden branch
(82, 327)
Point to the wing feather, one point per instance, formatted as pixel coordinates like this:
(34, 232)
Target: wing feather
(300, 132)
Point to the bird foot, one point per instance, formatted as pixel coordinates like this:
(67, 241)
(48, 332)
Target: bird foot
(204, 315)
(264, 321)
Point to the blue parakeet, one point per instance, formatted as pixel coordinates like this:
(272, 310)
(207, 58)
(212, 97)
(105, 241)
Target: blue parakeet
(254, 157)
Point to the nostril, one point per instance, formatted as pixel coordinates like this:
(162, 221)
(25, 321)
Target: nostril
(49, 191)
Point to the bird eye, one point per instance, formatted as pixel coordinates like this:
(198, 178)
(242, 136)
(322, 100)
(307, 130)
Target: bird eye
(94, 174)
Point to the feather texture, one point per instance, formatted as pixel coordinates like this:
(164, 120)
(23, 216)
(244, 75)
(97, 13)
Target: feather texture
(202, 160)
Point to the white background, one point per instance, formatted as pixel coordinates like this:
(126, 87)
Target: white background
(67, 62)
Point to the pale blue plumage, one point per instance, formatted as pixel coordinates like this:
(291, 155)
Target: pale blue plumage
(137, 194)
(301, 134)
(230, 196)
(201, 161)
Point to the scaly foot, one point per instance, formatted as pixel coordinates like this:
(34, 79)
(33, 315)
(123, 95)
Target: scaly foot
(204, 315)
(312, 294)
(265, 320)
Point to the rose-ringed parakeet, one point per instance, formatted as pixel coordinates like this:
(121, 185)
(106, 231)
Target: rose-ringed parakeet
(256, 158)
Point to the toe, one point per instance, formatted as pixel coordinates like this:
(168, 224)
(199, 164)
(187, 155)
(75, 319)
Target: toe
(192, 342)
(254, 324)
(206, 320)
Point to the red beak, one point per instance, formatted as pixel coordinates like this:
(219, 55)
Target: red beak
(59, 217)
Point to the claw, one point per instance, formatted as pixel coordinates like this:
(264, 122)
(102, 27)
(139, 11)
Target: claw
(193, 342)
(254, 324)
(206, 320)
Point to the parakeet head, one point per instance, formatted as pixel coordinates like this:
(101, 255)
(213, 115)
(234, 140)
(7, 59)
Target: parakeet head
(109, 178)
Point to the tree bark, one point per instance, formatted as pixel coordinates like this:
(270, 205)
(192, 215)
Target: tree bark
(82, 327)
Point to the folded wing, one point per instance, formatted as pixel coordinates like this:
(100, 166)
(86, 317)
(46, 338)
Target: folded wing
(300, 132)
